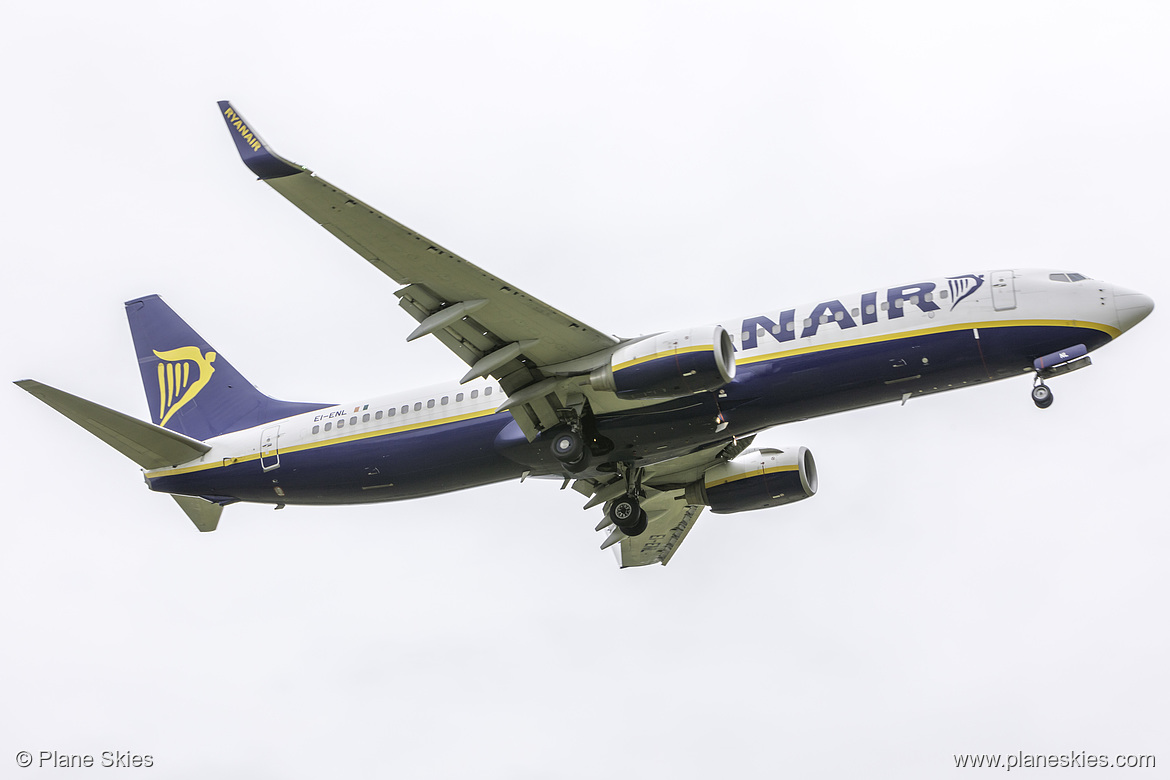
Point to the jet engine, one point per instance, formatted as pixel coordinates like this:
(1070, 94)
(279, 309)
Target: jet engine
(757, 479)
(669, 365)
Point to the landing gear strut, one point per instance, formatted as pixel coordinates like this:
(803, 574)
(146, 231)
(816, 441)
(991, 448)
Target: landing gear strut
(625, 511)
(1057, 363)
(1041, 394)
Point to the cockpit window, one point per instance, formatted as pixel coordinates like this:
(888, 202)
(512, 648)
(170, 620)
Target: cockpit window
(1067, 277)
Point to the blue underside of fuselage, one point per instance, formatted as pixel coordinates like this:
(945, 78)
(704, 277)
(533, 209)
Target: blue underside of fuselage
(490, 449)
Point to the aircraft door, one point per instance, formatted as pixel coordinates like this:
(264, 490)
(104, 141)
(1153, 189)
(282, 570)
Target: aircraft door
(1003, 290)
(269, 451)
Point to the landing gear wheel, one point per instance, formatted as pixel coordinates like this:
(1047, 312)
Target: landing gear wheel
(627, 515)
(1042, 396)
(568, 447)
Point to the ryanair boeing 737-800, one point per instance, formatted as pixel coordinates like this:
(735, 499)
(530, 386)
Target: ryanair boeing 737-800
(652, 429)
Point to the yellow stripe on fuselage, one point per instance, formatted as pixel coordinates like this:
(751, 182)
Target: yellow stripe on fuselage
(323, 443)
(1107, 329)
(740, 360)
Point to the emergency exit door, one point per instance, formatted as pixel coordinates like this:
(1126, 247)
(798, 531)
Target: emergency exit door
(1003, 290)
(269, 451)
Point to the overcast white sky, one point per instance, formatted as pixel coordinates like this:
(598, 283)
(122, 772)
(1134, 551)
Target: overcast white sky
(974, 576)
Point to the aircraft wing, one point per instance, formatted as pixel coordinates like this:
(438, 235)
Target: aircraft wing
(493, 326)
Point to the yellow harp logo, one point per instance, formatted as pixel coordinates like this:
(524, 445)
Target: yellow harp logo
(175, 383)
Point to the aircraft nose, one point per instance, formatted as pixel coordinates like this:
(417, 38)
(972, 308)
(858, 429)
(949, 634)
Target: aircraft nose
(1132, 307)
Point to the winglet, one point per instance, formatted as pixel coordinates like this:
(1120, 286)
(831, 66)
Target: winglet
(256, 154)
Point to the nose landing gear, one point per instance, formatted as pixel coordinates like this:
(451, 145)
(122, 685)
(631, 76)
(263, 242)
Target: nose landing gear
(1041, 394)
(1055, 364)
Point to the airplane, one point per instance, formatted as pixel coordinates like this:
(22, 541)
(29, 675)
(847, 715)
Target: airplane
(652, 429)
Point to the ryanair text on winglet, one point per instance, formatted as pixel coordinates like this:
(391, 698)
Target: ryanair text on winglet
(237, 122)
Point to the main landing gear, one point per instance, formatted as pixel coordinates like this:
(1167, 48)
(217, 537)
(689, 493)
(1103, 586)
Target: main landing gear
(569, 448)
(624, 512)
(627, 515)
(1041, 394)
(577, 440)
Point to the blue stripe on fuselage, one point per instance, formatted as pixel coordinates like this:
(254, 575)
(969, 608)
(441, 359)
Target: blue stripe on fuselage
(385, 467)
(766, 392)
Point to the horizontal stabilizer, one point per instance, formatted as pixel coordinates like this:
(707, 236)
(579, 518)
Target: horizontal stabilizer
(203, 513)
(148, 445)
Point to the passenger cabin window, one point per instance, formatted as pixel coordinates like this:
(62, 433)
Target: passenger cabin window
(328, 426)
(418, 406)
(444, 400)
(366, 417)
(340, 424)
(869, 308)
(458, 397)
(807, 323)
(475, 394)
(353, 420)
(487, 391)
(378, 415)
(316, 429)
(942, 294)
(431, 403)
(405, 409)
(391, 412)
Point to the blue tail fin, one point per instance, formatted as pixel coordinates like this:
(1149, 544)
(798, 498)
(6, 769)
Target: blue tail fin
(190, 388)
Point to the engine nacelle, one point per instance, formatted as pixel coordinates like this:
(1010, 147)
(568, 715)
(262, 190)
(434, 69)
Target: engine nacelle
(757, 479)
(669, 365)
